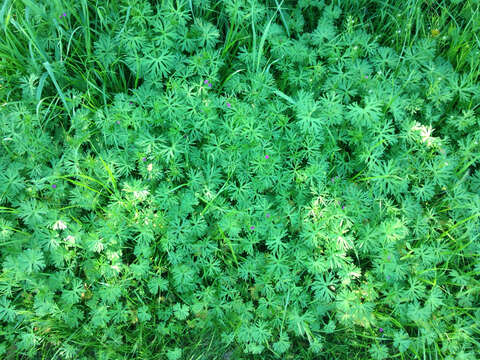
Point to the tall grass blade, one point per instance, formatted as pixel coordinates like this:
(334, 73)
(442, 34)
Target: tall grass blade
(49, 69)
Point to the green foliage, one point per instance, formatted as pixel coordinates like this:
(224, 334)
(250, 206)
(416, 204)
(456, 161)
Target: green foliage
(239, 179)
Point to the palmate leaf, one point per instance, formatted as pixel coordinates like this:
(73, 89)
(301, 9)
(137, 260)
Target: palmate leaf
(424, 192)
(282, 345)
(275, 241)
(106, 49)
(366, 116)
(110, 293)
(143, 314)
(387, 178)
(324, 31)
(70, 297)
(159, 62)
(7, 312)
(184, 277)
(170, 105)
(11, 183)
(181, 311)
(441, 169)
(331, 109)
(32, 260)
(324, 286)
(32, 212)
(416, 289)
(27, 341)
(44, 305)
(379, 352)
(254, 348)
(157, 284)
(132, 39)
(350, 309)
(307, 112)
(335, 257)
(140, 270)
(72, 316)
(262, 333)
(180, 233)
(463, 88)
(205, 34)
(435, 299)
(100, 317)
(174, 354)
(164, 33)
(401, 341)
(299, 322)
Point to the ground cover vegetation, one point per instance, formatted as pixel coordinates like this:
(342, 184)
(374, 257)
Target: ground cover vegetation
(239, 179)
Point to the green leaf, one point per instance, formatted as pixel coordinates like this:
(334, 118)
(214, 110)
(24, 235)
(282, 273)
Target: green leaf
(157, 283)
(282, 345)
(143, 314)
(174, 354)
(7, 312)
(180, 311)
(378, 352)
(32, 261)
(401, 341)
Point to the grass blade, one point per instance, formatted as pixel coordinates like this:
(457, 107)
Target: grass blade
(282, 17)
(264, 38)
(110, 174)
(54, 80)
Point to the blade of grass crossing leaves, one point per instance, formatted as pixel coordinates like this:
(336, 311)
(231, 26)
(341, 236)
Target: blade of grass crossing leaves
(466, 166)
(13, 229)
(285, 311)
(232, 43)
(263, 39)
(2, 12)
(110, 174)
(282, 17)
(70, 40)
(254, 33)
(273, 62)
(37, 10)
(82, 184)
(95, 180)
(30, 36)
(6, 208)
(229, 76)
(41, 83)
(229, 244)
(218, 193)
(191, 9)
(86, 27)
(458, 224)
(55, 83)
(284, 96)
